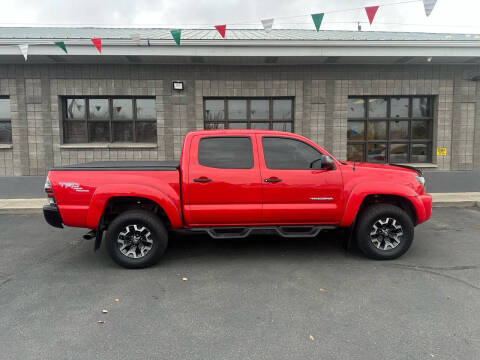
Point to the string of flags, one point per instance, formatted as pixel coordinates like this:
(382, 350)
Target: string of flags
(267, 25)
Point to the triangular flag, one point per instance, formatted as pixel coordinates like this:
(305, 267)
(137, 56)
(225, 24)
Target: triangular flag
(317, 20)
(176, 34)
(62, 46)
(98, 44)
(24, 50)
(135, 38)
(267, 25)
(429, 5)
(371, 11)
(221, 30)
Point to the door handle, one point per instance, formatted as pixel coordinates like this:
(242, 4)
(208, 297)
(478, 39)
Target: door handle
(273, 180)
(202, 180)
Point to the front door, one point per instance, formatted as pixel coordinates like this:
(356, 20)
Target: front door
(293, 191)
(224, 185)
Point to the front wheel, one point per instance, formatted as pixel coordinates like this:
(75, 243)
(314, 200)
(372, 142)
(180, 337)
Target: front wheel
(136, 239)
(384, 232)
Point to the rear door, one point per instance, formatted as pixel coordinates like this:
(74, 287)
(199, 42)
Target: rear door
(293, 192)
(224, 185)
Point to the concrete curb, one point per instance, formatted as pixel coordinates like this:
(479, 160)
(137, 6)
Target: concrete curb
(34, 206)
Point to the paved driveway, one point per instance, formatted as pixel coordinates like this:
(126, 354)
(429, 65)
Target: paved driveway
(260, 298)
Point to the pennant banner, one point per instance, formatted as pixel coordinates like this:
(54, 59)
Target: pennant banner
(24, 50)
(371, 11)
(176, 34)
(62, 46)
(317, 20)
(429, 5)
(221, 30)
(98, 44)
(267, 25)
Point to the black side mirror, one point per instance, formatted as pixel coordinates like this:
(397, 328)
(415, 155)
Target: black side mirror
(324, 162)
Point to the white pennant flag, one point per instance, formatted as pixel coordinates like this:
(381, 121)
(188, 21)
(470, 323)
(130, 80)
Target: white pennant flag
(429, 5)
(24, 50)
(267, 24)
(135, 38)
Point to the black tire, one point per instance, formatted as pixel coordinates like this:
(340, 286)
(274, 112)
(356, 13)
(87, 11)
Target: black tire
(369, 222)
(155, 234)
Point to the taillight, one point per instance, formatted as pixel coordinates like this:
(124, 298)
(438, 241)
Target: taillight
(49, 191)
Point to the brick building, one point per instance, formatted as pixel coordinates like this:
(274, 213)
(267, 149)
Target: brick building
(371, 96)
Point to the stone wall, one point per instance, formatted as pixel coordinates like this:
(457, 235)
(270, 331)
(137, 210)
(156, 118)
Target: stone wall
(321, 93)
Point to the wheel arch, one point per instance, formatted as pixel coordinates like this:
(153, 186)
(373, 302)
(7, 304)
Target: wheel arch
(362, 196)
(110, 201)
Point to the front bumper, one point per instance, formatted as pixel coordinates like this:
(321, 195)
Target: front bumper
(52, 216)
(426, 204)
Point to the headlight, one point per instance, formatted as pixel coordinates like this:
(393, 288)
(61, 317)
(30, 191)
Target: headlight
(421, 180)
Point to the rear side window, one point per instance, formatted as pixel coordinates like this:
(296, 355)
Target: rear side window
(226, 152)
(288, 154)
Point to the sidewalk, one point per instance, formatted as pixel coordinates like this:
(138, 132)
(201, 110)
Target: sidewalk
(27, 206)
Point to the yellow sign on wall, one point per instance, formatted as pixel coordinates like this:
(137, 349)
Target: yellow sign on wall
(441, 151)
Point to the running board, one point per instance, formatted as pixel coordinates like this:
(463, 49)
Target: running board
(283, 231)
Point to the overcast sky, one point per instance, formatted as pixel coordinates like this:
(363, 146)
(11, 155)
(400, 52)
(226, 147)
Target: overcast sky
(459, 16)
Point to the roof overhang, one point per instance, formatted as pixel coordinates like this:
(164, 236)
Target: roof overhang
(244, 51)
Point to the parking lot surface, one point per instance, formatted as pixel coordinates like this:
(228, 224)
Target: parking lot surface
(258, 298)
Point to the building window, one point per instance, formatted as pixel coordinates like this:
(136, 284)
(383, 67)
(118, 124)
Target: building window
(393, 129)
(109, 119)
(249, 113)
(5, 121)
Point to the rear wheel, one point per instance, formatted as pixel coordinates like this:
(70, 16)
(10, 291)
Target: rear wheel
(384, 232)
(136, 239)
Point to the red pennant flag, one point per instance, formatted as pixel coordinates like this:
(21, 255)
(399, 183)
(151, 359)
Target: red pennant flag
(371, 11)
(98, 44)
(221, 30)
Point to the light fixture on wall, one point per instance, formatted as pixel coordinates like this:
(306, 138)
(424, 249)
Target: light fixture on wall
(177, 85)
(429, 59)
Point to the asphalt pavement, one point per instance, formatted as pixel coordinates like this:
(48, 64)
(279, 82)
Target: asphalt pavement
(258, 298)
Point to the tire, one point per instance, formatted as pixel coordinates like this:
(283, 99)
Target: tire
(136, 239)
(384, 232)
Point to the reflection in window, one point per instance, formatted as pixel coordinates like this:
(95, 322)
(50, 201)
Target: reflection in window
(398, 129)
(214, 110)
(252, 113)
(109, 120)
(5, 121)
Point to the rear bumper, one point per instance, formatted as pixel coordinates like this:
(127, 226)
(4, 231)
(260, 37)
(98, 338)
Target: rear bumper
(52, 216)
(424, 208)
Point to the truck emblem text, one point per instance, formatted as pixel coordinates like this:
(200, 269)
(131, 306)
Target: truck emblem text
(73, 186)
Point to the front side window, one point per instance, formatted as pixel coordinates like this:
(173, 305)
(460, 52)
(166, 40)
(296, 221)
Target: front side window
(288, 154)
(5, 121)
(226, 152)
(393, 129)
(250, 113)
(107, 119)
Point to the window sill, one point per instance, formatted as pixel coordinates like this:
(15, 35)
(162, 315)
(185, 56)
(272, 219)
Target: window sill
(6, 146)
(421, 165)
(109, 146)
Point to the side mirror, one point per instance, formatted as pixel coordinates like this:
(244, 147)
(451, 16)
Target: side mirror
(325, 162)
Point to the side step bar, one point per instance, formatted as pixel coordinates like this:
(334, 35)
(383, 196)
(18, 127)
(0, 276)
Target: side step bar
(284, 231)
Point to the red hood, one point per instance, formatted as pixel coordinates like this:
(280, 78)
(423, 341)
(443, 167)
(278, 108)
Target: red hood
(365, 165)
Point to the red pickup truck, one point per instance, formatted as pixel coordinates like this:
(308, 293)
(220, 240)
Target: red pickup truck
(230, 183)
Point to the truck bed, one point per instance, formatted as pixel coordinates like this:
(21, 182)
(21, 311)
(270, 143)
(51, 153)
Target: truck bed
(123, 165)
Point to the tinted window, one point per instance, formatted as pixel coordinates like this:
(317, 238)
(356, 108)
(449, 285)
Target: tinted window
(283, 153)
(226, 152)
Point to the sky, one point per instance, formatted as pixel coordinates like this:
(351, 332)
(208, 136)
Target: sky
(448, 16)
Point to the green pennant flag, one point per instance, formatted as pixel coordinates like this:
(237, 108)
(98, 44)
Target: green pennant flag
(62, 46)
(317, 20)
(176, 34)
